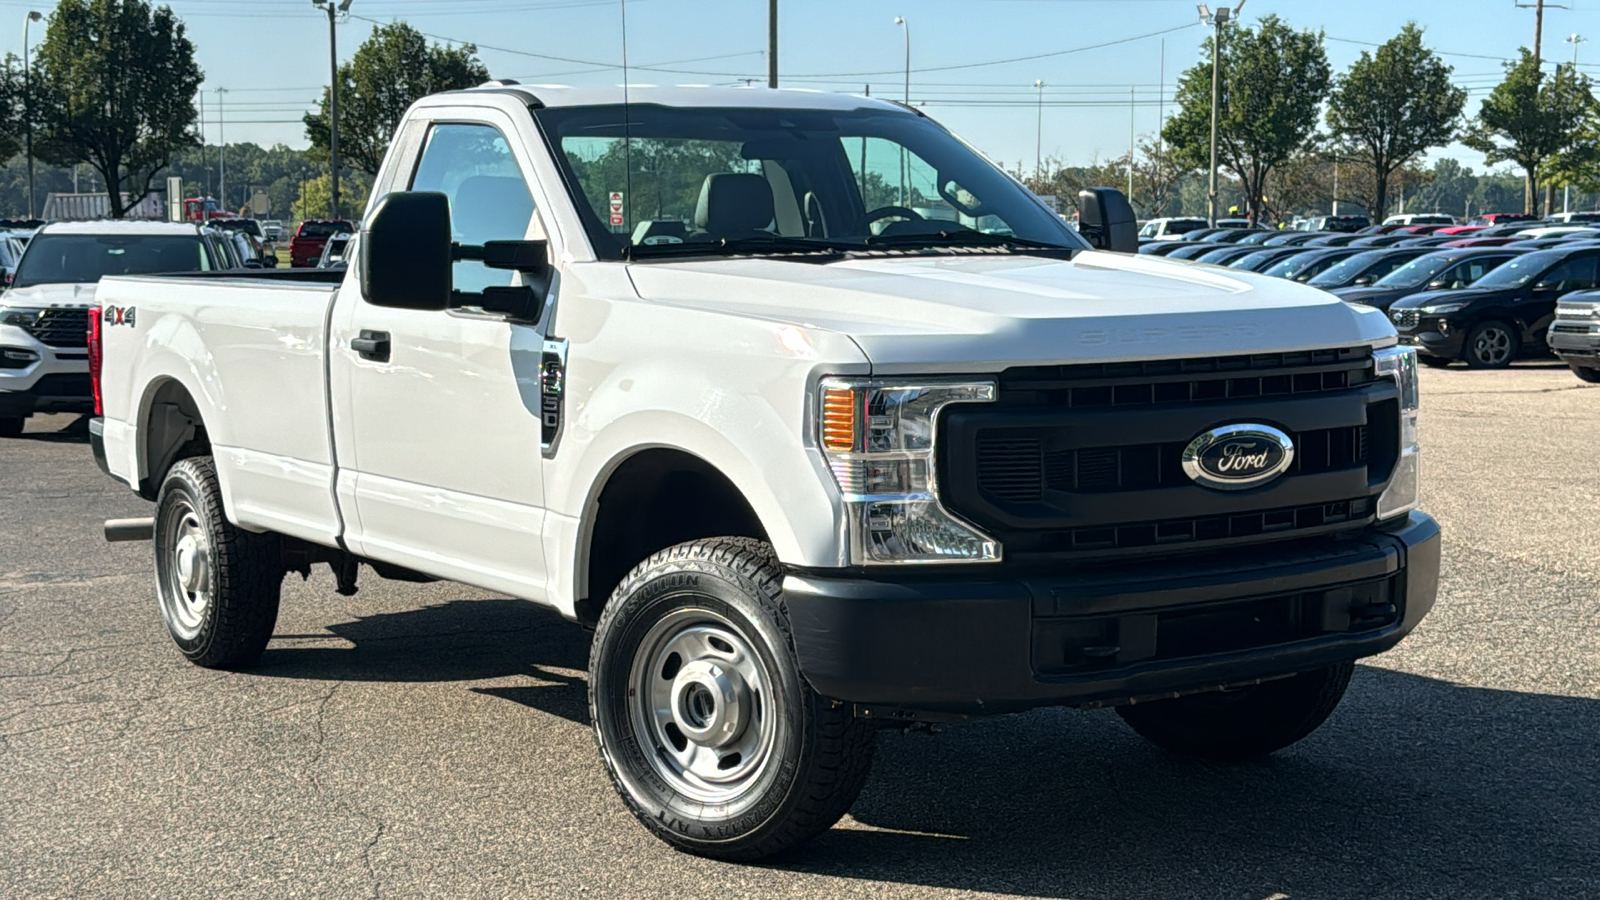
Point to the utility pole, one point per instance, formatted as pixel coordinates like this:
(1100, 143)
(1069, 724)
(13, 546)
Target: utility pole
(772, 44)
(1132, 140)
(1538, 27)
(333, 8)
(222, 151)
(27, 97)
(1038, 139)
(205, 159)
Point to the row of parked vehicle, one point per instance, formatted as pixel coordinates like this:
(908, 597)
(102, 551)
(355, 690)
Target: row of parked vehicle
(1484, 294)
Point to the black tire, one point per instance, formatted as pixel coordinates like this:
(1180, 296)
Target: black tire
(10, 426)
(1586, 373)
(1436, 362)
(1491, 344)
(1245, 723)
(819, 754)
(227, 619)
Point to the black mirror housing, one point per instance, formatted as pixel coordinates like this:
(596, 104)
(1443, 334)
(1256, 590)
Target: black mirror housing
(406, 252)
(1107, 221)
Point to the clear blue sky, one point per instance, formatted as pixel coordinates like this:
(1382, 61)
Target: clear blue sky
(272, 54)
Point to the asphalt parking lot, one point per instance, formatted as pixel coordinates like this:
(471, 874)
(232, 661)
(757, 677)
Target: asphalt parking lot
(433, 740)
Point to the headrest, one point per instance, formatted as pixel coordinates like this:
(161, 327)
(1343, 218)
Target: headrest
(490, 208)
(733, 202)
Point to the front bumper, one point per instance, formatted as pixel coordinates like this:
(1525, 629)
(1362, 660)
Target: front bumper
(1433, 343)
(901, 644)
(56, 380)
(1574, 347)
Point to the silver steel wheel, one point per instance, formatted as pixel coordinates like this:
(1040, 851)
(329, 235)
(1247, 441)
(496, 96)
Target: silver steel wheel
(1493, 345)
(700, 700)
(183, 569)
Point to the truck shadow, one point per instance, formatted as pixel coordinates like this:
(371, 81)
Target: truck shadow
(460, 640)
(1416, 787)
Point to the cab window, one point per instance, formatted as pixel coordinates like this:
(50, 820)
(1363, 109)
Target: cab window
(489, 197)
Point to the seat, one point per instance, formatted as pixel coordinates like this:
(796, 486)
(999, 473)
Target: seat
(734, 205)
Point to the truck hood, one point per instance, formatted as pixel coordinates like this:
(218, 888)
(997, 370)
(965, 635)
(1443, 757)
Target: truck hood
(980, 313)
(46, 295)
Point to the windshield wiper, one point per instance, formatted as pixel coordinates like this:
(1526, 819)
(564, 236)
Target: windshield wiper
(956, 238)
(775, 245)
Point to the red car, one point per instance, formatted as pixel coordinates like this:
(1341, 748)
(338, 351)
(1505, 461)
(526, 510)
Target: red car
(1502, 218)
(306, 247)
(1470, 241)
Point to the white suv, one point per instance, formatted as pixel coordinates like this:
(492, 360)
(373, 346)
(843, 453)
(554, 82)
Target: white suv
(44, 361)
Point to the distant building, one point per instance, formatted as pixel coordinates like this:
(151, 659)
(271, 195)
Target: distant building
(87, 207)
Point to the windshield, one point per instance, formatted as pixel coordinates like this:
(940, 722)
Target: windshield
(86, 258)
(323, 229)
(1291, 267)
(1418, 272)
(1515, 273)
(707, 180)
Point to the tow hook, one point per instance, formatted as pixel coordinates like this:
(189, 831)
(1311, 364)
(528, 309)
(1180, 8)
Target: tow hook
(122, 531)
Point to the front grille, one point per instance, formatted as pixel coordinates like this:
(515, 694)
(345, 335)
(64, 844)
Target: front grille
(1158, 382)
(1405, 318)
(1572, 329)
(1076, 461)
(61, 327)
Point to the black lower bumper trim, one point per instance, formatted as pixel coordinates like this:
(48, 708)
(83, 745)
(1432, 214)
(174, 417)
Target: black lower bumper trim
(972, 645)
(97, 443)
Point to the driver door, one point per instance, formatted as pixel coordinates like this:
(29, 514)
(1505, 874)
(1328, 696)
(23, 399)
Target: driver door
(443, 431)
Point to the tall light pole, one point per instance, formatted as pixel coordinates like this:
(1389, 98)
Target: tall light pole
(905, 186)
(222, 151)
(1574, 39)
(27, 101)
(333, 8)
(772, 44)
(1038, 141)
(1216, 21)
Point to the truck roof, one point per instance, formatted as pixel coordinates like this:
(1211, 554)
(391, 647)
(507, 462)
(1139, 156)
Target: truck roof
(112, 226)
(559, 95)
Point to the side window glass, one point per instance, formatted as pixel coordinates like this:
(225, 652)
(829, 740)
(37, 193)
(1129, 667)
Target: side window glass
(489, 197)
(889, 175)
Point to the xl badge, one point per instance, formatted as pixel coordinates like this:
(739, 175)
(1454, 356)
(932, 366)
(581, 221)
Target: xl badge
(1236, 457)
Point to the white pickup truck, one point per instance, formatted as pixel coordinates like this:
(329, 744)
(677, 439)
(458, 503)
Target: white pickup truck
(819, 420)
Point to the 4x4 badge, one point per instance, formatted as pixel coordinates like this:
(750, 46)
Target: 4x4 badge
(1236, 457)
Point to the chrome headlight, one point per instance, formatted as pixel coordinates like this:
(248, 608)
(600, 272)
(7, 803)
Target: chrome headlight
(1403, 492)
(1442, 309)
(878, 437)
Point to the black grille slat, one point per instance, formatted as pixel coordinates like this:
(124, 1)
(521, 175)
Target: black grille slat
(61, 327)
(1011, 469)
(1148, 466)
(1197, 529)
(1405, 318)
(1572, 329)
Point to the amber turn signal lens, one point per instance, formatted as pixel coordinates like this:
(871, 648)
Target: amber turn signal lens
(839, 419)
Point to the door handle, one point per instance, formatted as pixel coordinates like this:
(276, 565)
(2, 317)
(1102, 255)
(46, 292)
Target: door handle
(373, 345)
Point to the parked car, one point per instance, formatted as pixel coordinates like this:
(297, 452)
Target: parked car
(723, 461)
(1292, 239)
(1303, 267)
(1480, 241)
(1561, 240)
(1334, 240)
(272, 229)
(1554, 231)
(1420, 219)
(1346, 224)
(305, 250)
(222, 248)
(1427, 240)
(1236, 235)
(257, 237)
(1194, 250)
(1437, 271)
(44, 315)
(1381, 240)
(333, 251)
(1225, 254)
(1365, 267)
(1574, 334)
(1261, 259)
(1235, 223)
(1569, 218)
(1501, 316)
(1171, 229)
(1491, 219)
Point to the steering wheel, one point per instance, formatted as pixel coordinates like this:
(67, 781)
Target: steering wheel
(894, 212)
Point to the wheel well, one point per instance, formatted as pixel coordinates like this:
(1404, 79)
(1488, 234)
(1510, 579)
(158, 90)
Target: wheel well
(656, 499)
(172, 430)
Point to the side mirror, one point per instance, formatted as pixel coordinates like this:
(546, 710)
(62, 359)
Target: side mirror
(1363, 281)
(406, 252)
(1106, 220)
(253, 264)
(1436, 284)
(270, 262)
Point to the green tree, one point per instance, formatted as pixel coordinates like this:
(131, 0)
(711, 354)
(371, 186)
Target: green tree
(113, 86)
(1392, 105)
(1274, 79)
(1529, 120)
(315, 197)
(393, 68)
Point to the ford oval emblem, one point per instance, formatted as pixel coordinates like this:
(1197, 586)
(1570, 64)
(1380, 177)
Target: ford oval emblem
(1236, 457)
